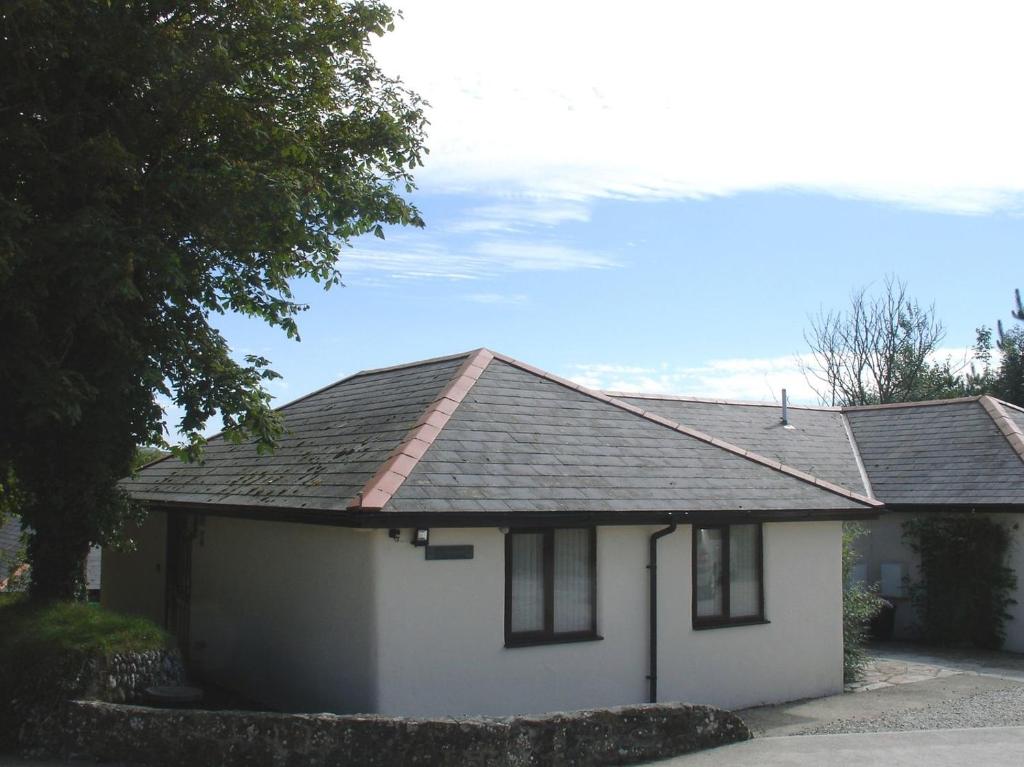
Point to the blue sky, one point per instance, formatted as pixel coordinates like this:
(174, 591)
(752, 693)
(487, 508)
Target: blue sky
(657, 197)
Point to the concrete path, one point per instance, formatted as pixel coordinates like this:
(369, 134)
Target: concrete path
(989, 746)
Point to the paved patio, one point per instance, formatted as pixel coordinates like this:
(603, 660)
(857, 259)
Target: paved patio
(885, 672)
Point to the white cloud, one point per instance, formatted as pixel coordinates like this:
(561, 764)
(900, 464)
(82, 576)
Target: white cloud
(735, 378)
(758, 379)
(406, 258)
(911, 102)
(520, 216)
(498, 298)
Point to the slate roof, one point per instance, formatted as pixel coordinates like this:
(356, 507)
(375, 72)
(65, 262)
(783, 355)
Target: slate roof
(963, 452)
(523, 442)
(481, 432)
(336, 439)
(10, 545)
(818, 442)
(950, 452)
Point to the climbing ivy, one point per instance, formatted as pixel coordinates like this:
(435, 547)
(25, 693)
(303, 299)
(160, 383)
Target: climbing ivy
(965, 583)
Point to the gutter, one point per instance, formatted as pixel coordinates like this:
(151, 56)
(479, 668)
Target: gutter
(652, 568)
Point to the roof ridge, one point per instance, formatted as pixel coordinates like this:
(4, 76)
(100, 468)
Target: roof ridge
(857, 457)
(380, 488)
(714, 401)
(417, 363)
(922, 403)
(1006, 425)
(1006, 404)
(699, 435)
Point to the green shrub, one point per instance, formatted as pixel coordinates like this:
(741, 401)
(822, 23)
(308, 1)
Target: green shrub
(61, 627)
(861, 603)
(50, 652)
(965, 584)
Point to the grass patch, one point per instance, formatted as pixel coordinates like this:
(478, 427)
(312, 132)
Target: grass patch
(31, 631)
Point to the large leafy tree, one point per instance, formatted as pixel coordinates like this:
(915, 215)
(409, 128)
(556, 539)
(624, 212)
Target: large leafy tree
(162, 162)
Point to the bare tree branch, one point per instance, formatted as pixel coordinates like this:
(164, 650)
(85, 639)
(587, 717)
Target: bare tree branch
(877, 351)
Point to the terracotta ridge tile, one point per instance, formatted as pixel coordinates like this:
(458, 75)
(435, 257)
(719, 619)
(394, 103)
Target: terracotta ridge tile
(1004, 423)
(719, 443)
(383, 485)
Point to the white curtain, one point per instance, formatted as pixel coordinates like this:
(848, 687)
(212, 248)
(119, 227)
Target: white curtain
(744, 575)
(709, 552)
(527, 612)
(573, 586)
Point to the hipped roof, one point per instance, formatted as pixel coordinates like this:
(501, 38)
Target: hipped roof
(966, 452)
(483, 434)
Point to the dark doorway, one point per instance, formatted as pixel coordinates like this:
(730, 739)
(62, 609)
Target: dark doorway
(181, 531)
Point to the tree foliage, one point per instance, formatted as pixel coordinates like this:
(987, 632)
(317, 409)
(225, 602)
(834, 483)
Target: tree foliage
(160, 163)
(879, 351)
(1004, 377)
(861, 603)
(965, 583)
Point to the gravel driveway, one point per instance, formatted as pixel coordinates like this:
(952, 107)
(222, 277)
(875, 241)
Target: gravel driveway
(909, 689)
(997, 708)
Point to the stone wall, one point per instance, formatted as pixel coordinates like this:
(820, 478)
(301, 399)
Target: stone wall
(182, 738)
(33, 710)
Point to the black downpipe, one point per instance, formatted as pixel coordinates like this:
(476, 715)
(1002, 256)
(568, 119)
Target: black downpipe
(652, 568)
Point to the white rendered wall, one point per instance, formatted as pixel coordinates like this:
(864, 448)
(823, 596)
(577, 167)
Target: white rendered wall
(134, 582)
(441, 629)
(283, 613)
(1015, 626)
(883, 544)
(797, 654)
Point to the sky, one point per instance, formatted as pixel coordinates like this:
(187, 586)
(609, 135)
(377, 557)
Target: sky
(658, 196)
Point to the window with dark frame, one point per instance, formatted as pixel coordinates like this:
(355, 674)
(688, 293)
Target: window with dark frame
(728, 575)
(550, 586)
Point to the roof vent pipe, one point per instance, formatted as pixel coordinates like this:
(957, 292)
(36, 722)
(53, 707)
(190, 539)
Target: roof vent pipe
(785, 409)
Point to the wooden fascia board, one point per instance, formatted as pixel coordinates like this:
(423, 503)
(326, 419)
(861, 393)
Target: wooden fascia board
(376, 519)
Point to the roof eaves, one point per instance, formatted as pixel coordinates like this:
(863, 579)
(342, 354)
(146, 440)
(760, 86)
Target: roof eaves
(403, 459)
(728, 446)
(1007, 426)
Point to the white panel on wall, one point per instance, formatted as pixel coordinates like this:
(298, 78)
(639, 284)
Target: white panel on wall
(892, 579)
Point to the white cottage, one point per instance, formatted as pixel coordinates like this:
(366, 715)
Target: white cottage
(472, 535)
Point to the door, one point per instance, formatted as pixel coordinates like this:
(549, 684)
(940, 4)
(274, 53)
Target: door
(181, 531)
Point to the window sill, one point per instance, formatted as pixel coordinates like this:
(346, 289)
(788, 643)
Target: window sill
(535, 641)
(705, 626)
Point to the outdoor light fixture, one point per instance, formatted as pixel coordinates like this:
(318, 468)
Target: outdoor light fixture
(421, 537)
(395, 534)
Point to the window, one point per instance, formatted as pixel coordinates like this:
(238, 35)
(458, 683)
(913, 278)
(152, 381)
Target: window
(550, 586)
(728, 579)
